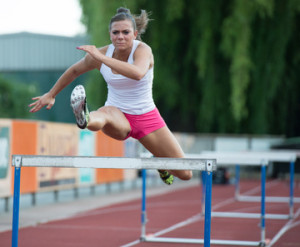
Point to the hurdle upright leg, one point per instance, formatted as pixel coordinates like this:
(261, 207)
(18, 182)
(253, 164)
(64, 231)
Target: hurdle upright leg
(16, 204)
(207, 219)
(291, 202)
(263, 205)
(237, 182)
(144, 214)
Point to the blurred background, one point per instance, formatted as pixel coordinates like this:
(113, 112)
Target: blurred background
(226, 73)
(220, 66)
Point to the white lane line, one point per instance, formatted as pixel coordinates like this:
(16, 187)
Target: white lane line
(285, 228)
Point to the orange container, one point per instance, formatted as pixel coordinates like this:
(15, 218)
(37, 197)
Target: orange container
(24, 141)
(108, 147)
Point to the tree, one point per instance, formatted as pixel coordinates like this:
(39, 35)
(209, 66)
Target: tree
(14, 98)
(220, 66)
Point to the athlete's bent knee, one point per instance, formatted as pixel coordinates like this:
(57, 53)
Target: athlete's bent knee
(187, 175)
(183, 175)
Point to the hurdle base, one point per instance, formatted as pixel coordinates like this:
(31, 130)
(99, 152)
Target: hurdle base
(262, 244)
(201, 241)
(249, 215)
(243, 198)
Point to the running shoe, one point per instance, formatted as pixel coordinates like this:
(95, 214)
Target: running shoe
(166, 177)
(79, 106)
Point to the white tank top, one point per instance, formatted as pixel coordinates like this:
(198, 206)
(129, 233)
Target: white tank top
(130, 96)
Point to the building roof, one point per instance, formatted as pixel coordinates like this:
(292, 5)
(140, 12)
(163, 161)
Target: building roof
(29, 51)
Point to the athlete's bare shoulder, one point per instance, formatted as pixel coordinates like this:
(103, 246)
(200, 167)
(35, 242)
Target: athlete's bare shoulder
(143, 46)
(144, 50)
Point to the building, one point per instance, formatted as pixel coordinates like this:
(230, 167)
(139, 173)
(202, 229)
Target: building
(40, 60)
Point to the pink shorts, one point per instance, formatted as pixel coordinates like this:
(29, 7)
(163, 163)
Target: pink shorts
(142, 125)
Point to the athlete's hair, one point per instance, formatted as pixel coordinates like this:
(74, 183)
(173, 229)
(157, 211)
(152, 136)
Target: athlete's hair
(139, 22)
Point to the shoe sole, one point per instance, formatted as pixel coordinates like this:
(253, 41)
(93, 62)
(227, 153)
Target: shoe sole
(78, 101)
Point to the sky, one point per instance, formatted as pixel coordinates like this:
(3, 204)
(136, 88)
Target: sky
(56, 17)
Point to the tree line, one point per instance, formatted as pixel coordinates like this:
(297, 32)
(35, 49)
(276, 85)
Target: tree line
(220, 66)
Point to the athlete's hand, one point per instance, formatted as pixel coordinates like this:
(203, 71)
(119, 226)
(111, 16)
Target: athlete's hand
(41, 101)
(92, 50)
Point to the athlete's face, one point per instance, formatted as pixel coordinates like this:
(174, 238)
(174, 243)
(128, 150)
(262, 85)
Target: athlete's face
(122, 34)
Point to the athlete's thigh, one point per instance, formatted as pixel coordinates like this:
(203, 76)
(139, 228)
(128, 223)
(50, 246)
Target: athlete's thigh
(162, 143)
(117, 125)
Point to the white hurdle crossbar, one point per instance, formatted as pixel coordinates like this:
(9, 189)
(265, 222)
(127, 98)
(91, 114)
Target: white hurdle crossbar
(205, 165)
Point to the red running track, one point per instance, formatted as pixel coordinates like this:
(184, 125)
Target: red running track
(119, 225)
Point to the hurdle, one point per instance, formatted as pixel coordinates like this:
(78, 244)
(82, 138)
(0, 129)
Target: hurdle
(204, 165)
(252, 158)
(261, 158)
(288, 156)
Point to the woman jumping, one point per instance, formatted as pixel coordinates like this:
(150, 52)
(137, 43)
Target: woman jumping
(127, 67)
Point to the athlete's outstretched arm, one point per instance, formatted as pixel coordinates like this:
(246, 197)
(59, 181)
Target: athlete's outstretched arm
(48, 99)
